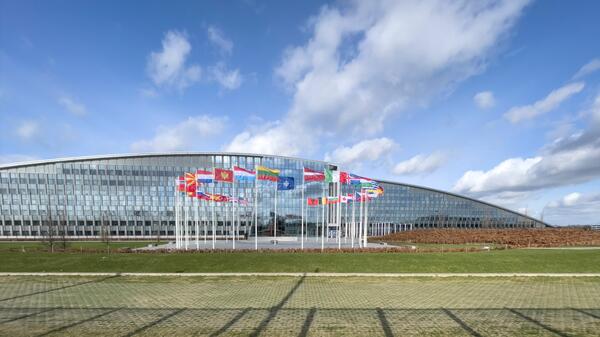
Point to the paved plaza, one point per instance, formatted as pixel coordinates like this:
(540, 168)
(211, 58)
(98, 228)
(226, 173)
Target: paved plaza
(263, 243)
(298, 306)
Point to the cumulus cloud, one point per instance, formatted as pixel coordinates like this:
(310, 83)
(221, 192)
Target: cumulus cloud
(484, 99)
(588, 68)
(28, 130)
(168, 67)
(420, 164)
(569, 160)
(181, 136)
(217, 38)
(72, 106)
(228, 79)
(366, 150)
(367, 60)
(575, 208)
(547, 104)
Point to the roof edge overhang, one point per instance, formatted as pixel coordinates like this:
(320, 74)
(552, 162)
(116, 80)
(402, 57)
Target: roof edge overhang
(187, 153)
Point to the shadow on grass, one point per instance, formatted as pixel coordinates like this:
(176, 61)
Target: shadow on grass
(300, 321)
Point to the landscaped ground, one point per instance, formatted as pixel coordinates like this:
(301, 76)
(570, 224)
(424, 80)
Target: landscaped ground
(538, 237)
(512, 260)
(286, 306)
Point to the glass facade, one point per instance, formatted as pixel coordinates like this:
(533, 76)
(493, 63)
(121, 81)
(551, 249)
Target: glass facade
(134, 196)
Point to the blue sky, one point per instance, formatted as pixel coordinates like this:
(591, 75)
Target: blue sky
(492, 99)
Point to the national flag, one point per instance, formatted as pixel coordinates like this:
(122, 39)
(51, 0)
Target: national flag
(312, 201)
(361, 197)
(312, 175)
(223, 175)
(332, 176)
(204, 176)
(285, 183)
(344, 199)
(333, 200)
(362, 181)
(203, 196)
(242, 201)
(265, 173)
(242, 174)
(220, 198)
(181, 184)
(344, 178)
(190, 184)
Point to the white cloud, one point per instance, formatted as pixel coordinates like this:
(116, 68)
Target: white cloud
(366, 150)
(575, 208)
(588, 68)
(485, 99)
(183, 136)
(28, 130)
(74, 107)
(228, 79)
(420, 164)
(274, 138)
(216, 37)
(549, 103)
(370, 59)
(168, 67)
(569, 160)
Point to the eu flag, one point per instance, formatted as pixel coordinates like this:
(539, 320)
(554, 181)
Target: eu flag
(285, 183)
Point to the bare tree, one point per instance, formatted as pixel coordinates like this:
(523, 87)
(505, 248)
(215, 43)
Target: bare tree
(62, 231)
(50, 236)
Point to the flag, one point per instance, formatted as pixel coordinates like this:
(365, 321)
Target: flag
(312, 201)
(203, 196)
(374, 192)
(190, 184)
(265, 173)
(241, 174)
(344, 199)
(285, 183)
(344, 178)
(332, 176)
(219, 198)
(181, 184)
(223, 175)
(312, 175)
(204, 176)
(362, 181)
(361, 197)
(333, 200)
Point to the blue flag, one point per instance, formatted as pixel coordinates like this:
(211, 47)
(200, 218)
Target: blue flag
(285, 183)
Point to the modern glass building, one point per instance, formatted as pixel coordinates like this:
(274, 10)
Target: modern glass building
(134, 196)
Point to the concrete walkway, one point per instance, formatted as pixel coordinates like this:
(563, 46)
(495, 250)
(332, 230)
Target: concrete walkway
(310, 274)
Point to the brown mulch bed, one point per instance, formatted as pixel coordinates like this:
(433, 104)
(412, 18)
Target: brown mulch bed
(542, 237)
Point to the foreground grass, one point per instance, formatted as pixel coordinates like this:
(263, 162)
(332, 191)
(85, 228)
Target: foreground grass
(517, 260)
(72, 245)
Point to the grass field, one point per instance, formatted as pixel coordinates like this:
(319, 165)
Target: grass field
(307, 306)
(512, 260)
(71, 245)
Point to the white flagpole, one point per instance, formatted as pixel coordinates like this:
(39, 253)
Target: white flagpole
(255, 209)
(302, 216)
(233, 210)
(214, 237)
(185, 228)
(360, 217)
(339, 214)
(346, 221)
(275, 217)
(176, 208)
(366, 222)
(353, 228)
(323, 221)
(205, 217)
(196, 223)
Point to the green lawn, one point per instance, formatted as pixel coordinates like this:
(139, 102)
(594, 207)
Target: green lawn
(73, 245)
(515, 260)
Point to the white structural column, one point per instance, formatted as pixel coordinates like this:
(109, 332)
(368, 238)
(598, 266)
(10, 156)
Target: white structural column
(366, 226)
(323, 220)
